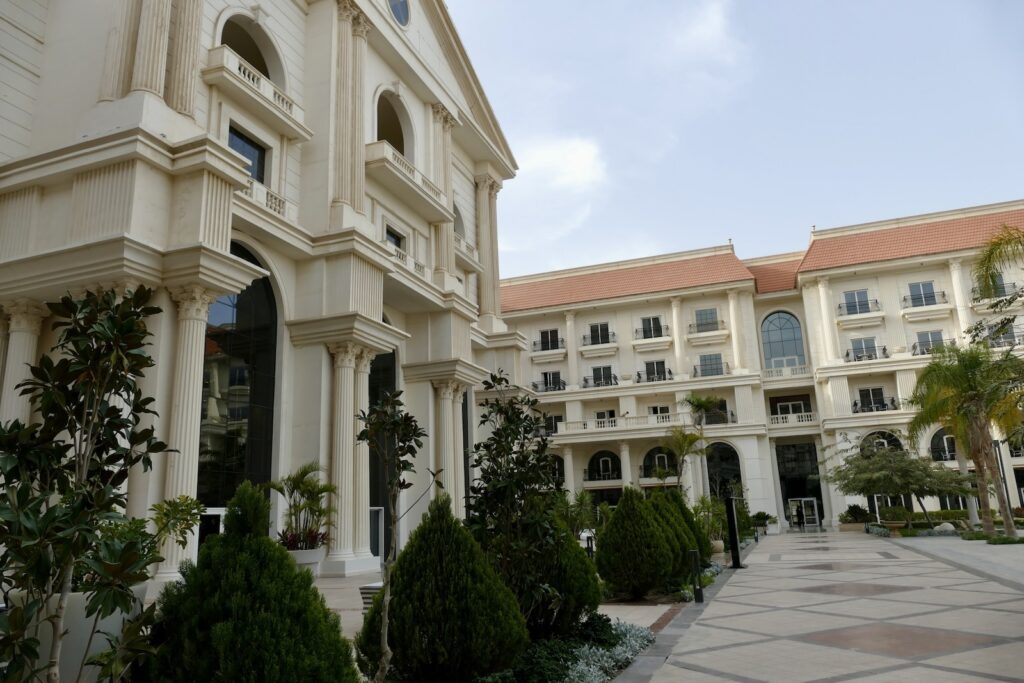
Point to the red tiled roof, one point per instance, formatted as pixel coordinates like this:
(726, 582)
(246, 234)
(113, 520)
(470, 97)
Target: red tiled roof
(934, 237)
(617, 282)
(775, 277)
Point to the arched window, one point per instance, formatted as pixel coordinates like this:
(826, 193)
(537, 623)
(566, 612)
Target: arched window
(250, 42)
(724, 474)
(603, 466)
(460, 227)
(393, 124)
(882, 439)
(659, 462)
(240, 362)
(943, 446)
(782, 340)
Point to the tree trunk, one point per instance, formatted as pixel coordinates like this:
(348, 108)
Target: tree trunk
(925, 511)
(53, 668)
(981, 443)
(385, 603)
(972, 501)
(1004, 505)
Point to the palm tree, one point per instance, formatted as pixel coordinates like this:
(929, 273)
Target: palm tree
(967, 389)
(702, 407)
(1003, 250)
(685, 445)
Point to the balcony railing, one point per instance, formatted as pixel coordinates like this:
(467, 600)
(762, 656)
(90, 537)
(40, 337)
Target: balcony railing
(594, 475)
(858, 307)
(926, 348)
(930, 299)
(412, 264)
(793, 418)
(712, 370)
(543, 387)
(792, 371)
(942, 455)
(872, 353)
(270, 200)
(651, 333)
(644, 377)
(999, 291)
(594, 339)
(628, 422)
(885, 404)
(657, 471)
(720, 417)
(550, 345)
(465, 247)
(707, 326)
(589, 382)
(1011, 337)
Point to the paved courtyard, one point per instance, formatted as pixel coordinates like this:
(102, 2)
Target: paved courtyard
(846, 607)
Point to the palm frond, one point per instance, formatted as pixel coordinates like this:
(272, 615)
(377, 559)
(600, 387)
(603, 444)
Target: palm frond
(1005, 249)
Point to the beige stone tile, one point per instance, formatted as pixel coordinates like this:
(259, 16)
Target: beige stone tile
(868, 608)
(782, 622)
(790, 599)
(700, 637)
(777, 584)
(674, 674)
(1001, 660)
(1011, 606)
(640, 615)
(991, 622)
(919, 674)
(987, 587)
(721, 608)
(938, 596)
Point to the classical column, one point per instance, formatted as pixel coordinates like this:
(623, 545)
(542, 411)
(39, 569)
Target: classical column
(960, 299)
(569, 468)
(343, 106)
(627, 464)
(705, 479)
(151, 47)
(182, 473)
(444, 254)
(571, 345)
(343, 450)
(4, 331)
(360, 28)
(827, 321)
(459, 475)
(826, 488)
(678, 335)
(488, 304)
(184, 67)
(117, 71)
(444, 443)
(361, 478)
(26, 317)
(780, 506)
(493, 255)
(736, 330)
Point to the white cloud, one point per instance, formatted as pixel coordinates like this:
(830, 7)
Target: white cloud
(573, 164)
(703, 36)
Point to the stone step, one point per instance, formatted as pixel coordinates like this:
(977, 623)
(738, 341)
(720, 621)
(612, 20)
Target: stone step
(368, 592)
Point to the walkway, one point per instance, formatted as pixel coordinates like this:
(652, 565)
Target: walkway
(844, 607)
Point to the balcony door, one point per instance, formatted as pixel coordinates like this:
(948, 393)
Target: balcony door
(549, 340)
(650, 328)
(922, 294)
(864, 348)
(872, 399)
(856, 301)
(655, 370)
(603, 376)
(605, 418)
(552, 379)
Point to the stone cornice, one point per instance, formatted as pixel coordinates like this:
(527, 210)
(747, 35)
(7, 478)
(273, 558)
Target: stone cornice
(452, 369)
(201, 266)
(346, 327)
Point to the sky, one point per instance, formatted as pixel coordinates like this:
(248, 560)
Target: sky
(655, 126)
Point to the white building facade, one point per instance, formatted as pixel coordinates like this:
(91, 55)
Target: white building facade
(310, 187)
(806, 355)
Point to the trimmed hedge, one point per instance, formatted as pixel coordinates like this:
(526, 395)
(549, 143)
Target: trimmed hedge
(632, 553)
(677, 525)
(245, 612)
(703, 543)
(451, 617)
(574, 576)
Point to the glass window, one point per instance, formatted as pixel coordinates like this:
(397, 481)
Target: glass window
(943, 446)
(400, 10)
(599, 334)
(605, 418)
(856, 301)
(552, 379)
(922, 294)
(650, 328)
(782, 340)
(551, 423)
(864, 348)
(872, 398)
(395, 238)
(603, 376)
(711, 364)
(926, 341)
(655, 370)
(251, 150)
(999, 337)
(706, 319)
(549, 340)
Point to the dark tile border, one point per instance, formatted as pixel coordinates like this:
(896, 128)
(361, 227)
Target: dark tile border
(962, 567)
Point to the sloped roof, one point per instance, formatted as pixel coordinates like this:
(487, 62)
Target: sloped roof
(921, 238)
(774, 277)
(612, 282)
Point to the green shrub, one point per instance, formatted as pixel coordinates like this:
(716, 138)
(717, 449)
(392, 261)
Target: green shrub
(854, 514)
(632, 554)
(452, 619)
(974, 536)
(672, 540)
(245, 612)
(908, 533)
(572, 573)
(1004, 540)
(676, 525)
(703, 543)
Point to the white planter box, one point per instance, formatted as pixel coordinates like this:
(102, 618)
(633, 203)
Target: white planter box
(309, 559)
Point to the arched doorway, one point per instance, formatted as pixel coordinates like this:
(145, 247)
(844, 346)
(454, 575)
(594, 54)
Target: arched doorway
(604, 466)
(236, 433)
(724, 474)
(659, 462)
(393, 124)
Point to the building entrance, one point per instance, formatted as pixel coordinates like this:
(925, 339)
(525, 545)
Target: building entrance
(808, 508)
(798, 479)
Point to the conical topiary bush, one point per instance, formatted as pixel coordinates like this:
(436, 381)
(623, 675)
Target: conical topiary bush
(632, 554)
(452, 618)
(701, 538)
(673, 522)
(246, 612)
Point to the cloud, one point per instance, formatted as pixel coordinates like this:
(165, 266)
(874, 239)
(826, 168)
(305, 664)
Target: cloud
(703, 36)
(573, 164)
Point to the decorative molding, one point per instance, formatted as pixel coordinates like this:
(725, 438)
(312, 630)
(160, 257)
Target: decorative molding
(347, 10)
(361, 25)
(26, 315)
(443, 116)
(193, 301)
(446, 388)
(345, 354)
(364, 360)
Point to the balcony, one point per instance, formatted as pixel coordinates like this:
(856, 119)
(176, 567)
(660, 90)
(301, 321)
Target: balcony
(659, 422)
(644, 377)
(930, 306)
(780, 373)
(886, 404)
(240, 80)
(712, 370)
(548, 351)
(710, 332)
(597, 476)
(657, 471)
(871, 353)
(410, 264)
(859, 314)
(593, 382)
(1002, 290)
(387, 166)
(793, 419)
(267, 199)
(652, 339)
(926, 348)
(544, 387)
(942, 455)
(1011, 337)
(597, 345)
(466, 253)
(720, 417)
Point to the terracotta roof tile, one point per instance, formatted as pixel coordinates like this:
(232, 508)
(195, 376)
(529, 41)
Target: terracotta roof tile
(618, 282)
(775, 277)
(920, 239)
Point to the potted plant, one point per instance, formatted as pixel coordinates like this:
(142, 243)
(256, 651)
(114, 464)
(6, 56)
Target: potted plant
(710, 514)
(308, 516)
(854, 518)
(73, 562)
(763, 521)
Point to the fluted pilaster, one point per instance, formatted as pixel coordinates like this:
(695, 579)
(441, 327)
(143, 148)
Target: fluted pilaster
(361, 478)
(343, 106)
(343, 449)
(459, 491)
(827, 321)
(571, 345)
(25, 321)
(150, 65)
(485, 187)
(444, 443)
(182, 472)
(360, 29)
(736, 330)
(181, 84)
(117, 70)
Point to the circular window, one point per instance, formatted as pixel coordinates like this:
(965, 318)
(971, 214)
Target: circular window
(400, 8)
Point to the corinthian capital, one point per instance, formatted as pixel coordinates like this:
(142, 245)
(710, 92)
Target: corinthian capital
(446, 388)
(347, 10)
(345, 354)
(361, 25)
(26, 315)
(193, 301)
(443, 116)
(365, 359)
